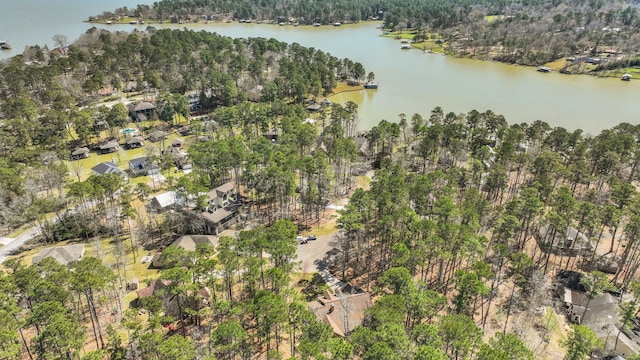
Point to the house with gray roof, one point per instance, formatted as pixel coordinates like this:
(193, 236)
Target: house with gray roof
(221, 208)
(188, 243)
(108, 147)
(142, 166)
(565, 242)
(134, 142)
(108, 167)
(80, 153)
(142, 111)
(62, 254)
(600, 314)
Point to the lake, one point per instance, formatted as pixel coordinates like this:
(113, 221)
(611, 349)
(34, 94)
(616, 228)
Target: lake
(410, 81)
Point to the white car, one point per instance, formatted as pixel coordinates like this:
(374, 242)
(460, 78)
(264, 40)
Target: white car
(301, 240)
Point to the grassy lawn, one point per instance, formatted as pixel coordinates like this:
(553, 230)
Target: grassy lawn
(121, 158)
(107, 246)
(492, 18)
(343, 87)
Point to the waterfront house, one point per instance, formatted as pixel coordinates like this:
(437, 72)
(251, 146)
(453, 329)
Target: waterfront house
(108, 147)
(80, 153)
(156, 136)
(134, 142)
(314, 107)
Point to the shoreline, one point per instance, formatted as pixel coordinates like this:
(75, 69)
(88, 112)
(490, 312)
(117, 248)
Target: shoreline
(429, 46)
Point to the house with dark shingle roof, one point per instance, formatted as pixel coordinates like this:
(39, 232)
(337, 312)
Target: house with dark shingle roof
(108, 167)
(62, 254)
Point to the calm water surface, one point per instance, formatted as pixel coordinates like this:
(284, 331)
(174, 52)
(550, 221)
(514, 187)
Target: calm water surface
(410, 81)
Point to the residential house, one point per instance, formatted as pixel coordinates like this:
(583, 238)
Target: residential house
(156, 136)
(194, 102)
(177, 143)
(362, 144)
(80, 153)
(344, 311)
(142, 166)
(179, 156)
(601, 315)
(62, 254)
(142, 111)
(167, 200)
(188, 243)
(108, 147)
(222, 196)
(221, 208)
(170, 301)
(314, 107)
(184, 130)
(272, 135)
(569, 242)
(134, 142)
(108, 167)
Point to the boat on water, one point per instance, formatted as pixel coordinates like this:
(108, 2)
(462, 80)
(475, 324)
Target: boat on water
(336, 24)
(544, 69)
(4, 45)
(626, 77)
(405, 46)
(371, 85)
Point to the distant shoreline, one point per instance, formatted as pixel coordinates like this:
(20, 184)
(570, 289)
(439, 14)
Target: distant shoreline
(429, 46)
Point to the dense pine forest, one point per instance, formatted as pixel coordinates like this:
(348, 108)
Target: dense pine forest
(456, 225)
(529, 32)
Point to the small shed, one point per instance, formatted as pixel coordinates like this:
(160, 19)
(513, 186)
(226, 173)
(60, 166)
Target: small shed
(133, 284)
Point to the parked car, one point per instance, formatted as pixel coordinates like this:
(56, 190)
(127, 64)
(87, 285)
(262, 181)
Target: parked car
(311, 237)
(301, 240)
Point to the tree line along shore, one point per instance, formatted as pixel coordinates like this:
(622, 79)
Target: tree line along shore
(594, 37)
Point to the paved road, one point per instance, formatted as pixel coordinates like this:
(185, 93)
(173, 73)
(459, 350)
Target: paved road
(12, 246)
